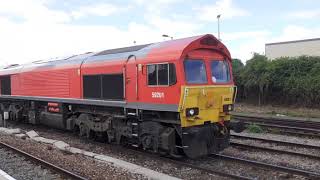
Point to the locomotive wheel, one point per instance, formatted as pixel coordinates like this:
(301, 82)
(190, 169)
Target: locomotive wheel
(148, 142)
(101, 137)
(12, 116)
(84, 131)
(76, 130)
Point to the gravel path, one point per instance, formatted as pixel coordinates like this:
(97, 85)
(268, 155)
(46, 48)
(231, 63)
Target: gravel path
(19, 167)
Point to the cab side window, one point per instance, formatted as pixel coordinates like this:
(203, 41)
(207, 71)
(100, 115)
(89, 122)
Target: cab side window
(161, 74)
(152, 75)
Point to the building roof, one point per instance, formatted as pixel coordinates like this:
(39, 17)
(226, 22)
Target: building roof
(296, 41)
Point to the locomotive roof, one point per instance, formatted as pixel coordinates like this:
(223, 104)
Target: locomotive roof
(122, 50)
(172, 48)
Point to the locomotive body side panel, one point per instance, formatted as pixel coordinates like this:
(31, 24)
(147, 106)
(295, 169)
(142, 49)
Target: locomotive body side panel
(168, 94)
(59, 79)
(45, 83)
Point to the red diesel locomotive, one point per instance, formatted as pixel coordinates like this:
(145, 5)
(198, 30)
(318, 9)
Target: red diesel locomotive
(170, 97)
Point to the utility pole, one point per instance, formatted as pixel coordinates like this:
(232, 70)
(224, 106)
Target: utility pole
(218, 17)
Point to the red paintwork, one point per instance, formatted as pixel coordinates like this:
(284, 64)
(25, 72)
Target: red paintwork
(66, 82)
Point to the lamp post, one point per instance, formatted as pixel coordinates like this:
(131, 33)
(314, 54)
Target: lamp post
(218, 17)
(165, 35)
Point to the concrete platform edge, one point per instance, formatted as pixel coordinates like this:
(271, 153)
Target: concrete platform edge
(5, 176)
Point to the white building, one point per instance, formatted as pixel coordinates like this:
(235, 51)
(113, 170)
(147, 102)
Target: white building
(309, 47)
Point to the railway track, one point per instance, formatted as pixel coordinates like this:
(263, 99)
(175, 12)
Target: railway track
(291, 126)
(67, 174)
(280, 121)
(304, 173)
(183, 163)
(308, 146)
(233, 175)
(250, 147)
(214, 157)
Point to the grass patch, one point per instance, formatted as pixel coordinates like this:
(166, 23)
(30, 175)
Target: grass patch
(253, 128)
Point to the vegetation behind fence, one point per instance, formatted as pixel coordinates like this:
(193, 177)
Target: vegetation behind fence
(288, 81)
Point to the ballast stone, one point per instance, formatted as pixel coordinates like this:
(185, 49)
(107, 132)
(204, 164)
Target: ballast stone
(44, 140)
(89, 154)
(22, 136)
(12, 131)
(107, 159)
(2, 129)
(61, 145)
(32, 134)
(5, 176)
(151, 174)
(75, 150)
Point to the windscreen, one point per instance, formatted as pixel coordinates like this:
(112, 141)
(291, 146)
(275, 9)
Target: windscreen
(195, 71)
(220, 71)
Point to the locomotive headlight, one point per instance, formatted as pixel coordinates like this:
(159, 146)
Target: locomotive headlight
(228, 107)
(192, 112)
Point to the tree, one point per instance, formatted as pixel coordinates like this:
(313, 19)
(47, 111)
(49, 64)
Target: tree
(255, 75)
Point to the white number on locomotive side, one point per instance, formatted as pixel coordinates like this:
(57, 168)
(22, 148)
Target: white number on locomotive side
(157, 95)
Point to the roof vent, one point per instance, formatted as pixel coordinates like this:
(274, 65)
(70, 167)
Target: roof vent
(209, 41)
(11, 66)
(122, 50)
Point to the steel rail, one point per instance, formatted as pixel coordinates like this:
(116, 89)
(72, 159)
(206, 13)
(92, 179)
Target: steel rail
(308, 134)
(246, 146)
(301, 172)
(278, 119)
(208, 170)
(277, 141)
(285, 122)
(310, 130)
(291, 130)
(45, 163)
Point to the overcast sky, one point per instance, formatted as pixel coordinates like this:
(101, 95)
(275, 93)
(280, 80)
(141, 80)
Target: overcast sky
(40, 29)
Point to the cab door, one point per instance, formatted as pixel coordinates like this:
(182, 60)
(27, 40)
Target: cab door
(131, 73)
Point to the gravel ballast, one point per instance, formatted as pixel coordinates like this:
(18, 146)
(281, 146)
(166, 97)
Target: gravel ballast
(19, 167)
(159, 165)
(121, 153)
(84, 166)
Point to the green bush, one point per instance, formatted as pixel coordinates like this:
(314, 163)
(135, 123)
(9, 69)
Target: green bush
(253, 128)
(289, 81)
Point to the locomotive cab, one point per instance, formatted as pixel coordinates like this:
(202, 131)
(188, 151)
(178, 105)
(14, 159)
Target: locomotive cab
(206, 100)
